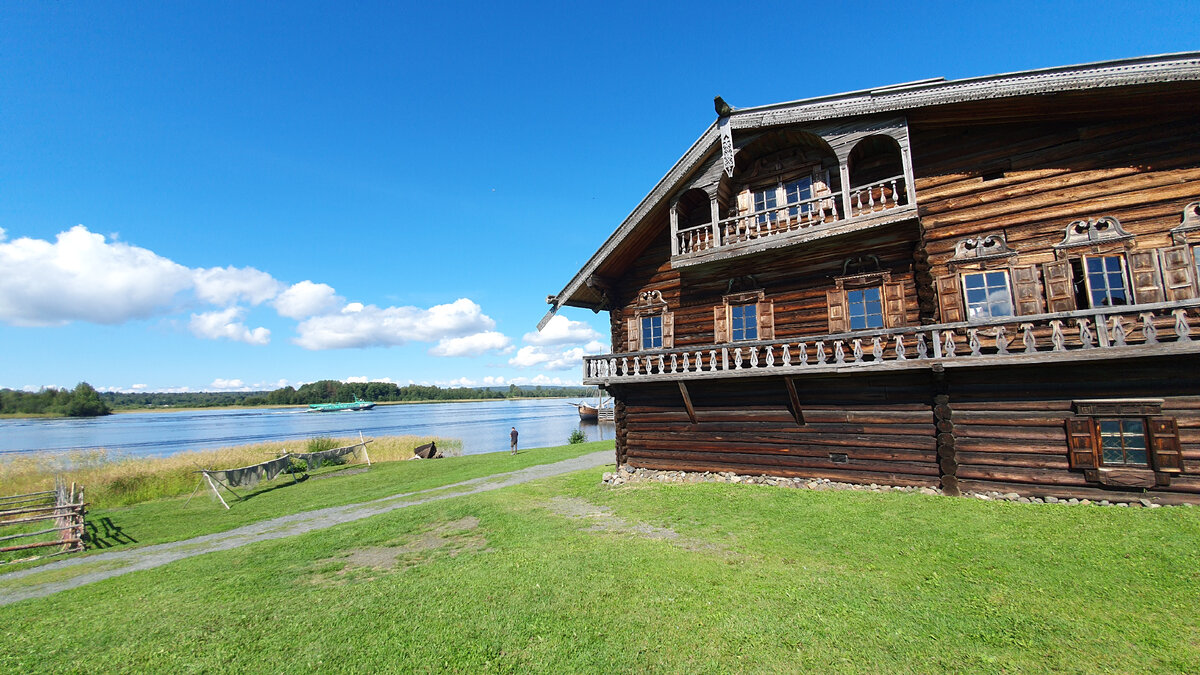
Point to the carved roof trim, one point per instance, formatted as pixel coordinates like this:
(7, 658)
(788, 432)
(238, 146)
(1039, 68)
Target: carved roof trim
(1189, 223)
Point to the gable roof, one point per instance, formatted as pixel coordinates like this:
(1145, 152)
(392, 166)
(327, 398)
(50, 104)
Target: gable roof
(1158, 69)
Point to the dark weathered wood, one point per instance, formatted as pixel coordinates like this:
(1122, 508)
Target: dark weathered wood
(687, 402)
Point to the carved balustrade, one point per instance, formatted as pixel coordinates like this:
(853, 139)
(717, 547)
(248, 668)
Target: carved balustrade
(1108, 333)
(889, 193)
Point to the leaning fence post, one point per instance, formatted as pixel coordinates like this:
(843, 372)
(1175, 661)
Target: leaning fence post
(363, 441)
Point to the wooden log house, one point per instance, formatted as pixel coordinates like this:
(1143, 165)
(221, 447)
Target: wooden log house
(979, 284)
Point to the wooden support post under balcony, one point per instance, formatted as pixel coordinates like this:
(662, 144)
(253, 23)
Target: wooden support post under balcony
(716, 219)
(794, 399)
(687, 402)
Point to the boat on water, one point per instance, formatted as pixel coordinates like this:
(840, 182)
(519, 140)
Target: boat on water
(589, 413)
(357, 404)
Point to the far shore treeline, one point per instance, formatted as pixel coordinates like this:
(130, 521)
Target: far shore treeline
(84, 401)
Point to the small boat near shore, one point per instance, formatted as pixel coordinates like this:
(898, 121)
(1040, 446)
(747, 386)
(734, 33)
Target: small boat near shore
(357, 404)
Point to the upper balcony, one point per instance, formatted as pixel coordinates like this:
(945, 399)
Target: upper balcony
(1094, 334)
(788, 186)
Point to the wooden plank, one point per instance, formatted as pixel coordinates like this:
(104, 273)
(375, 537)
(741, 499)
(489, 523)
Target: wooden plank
(687, 402)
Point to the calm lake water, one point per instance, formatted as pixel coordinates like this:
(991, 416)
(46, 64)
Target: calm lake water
(482, 427)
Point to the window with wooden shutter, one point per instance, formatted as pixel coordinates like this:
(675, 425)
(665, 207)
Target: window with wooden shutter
(1147, 284)
(1027, 294)
(633, 335)
(893, 304)
(1177, 273)
(1081, 443)
(949, 299)
(836, 301)
(1060, 286)
(720, 324)
(1164, 444)
(766, 320)
(668, 330)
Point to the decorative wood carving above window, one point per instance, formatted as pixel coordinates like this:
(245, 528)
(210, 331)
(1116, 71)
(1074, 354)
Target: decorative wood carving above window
(1118, 406)
(651, 299)
(981, 248)
(1093, 231)
(1189, 226)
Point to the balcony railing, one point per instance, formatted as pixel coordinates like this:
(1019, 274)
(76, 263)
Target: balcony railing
(889, 193)
(1111, 332)
(785, 221)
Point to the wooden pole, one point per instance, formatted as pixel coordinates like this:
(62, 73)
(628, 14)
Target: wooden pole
(214, 489)
(364, 447)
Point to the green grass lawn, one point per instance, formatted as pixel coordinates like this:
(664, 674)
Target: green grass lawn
(173, 519)
(568, 575)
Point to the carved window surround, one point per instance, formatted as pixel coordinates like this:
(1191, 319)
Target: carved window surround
(1158, 442)
(991, 247)
(1091, 232)
(649, 303)
(1189, 226)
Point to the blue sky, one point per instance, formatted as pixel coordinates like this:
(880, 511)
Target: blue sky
(212, 195)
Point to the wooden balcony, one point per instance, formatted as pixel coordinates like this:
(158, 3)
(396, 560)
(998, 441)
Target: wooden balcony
(1095, 334)
(825, 215)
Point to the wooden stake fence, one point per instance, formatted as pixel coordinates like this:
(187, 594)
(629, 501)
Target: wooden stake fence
(63, 505)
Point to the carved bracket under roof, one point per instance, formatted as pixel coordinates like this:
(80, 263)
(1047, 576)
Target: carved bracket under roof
(981, 248)
(726, 146)
(1093, 231)
(1189, 223)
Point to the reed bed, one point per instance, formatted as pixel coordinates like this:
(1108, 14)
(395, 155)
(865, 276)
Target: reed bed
(121, 480)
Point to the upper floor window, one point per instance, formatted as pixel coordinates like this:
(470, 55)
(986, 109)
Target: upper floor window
(652, 332)
(988, 295)
(743, 322)
(1105, 281)
(864, 308)
(797, 191)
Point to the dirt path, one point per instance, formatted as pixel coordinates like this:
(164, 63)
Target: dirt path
(117, 563)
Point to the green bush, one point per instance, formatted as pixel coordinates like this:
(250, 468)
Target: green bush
(576, 437)
(320, 443)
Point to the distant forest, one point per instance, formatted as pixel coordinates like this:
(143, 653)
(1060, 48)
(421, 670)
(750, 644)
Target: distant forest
(333, 391)
(82, 401)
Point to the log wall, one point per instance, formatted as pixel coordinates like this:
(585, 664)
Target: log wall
(868, 430)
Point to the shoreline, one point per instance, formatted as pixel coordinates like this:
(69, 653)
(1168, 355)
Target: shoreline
(169, 409)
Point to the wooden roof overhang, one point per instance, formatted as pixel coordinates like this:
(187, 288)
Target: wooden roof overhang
(636, 231)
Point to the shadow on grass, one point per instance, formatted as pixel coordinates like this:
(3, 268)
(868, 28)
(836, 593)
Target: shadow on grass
(104, 533)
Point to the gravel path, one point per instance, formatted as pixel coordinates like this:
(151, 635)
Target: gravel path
(117, 563)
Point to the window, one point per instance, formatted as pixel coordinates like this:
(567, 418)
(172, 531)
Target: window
(743, 322)
(765, 200)
(988, 295)
(652, 332)
(1104, 278)
(1122, 442)
(1196, 261)
(864, 307)
(796, 191)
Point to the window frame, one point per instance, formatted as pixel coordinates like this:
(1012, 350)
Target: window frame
(642, 337)
(850, 315)
(966, 300)
(1098, 424)
(814, 173)
(733, 320)
(1127, 285)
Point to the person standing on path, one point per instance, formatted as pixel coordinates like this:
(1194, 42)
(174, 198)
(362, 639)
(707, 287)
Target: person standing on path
(513, 437)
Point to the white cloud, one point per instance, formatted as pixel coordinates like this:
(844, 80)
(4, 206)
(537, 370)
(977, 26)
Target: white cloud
(596, 347)
(494, 381)
(269, 386)
(227, 324)
(529, 356)
(362, 379)
(228, 385)
(472, 345)
(361, 325)
(306, 299)
(458, 383)
(543, 380)
(532, 355)
(561, 331)
(139, 387)
(2, 234)
(227, 285)
(82, 277)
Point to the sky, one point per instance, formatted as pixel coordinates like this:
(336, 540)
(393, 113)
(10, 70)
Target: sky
(207, 196)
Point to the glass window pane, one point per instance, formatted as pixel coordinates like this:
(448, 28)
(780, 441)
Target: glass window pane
(995, 279)
(1095, 265)
(1135, 457)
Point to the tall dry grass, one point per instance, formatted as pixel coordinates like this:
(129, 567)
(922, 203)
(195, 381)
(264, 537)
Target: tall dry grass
(121, 480)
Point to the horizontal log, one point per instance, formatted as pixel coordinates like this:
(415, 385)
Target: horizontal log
(785, 428)
(26, 535)
(1020, 475)
(40, 509)
(1029, 460)
(1093, 492)
(923, 466)
(23, 547)
(774, 443)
